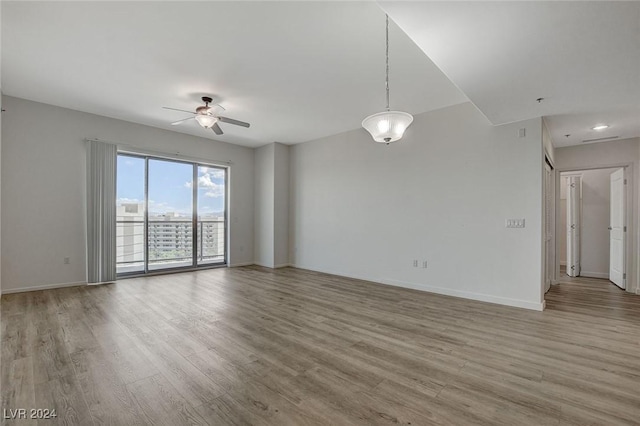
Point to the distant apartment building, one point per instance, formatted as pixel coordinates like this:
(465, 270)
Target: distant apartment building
(130, 233)
(170, 236)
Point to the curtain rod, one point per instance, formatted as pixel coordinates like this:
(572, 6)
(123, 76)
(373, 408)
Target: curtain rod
(137, 150)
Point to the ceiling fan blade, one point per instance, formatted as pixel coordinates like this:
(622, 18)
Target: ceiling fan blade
(216, 129)
(232, 121)
(181, 121)
(181, 110)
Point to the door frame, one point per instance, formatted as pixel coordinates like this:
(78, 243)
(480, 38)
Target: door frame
(549, 259)
(578, 193)
(630, 220)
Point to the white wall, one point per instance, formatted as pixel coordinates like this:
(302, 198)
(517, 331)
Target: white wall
(610, 155)
(0, 167)
(263, 205)
(43, 188)
(272, 205)
(0, 160)
(281, 205)
(442, 194)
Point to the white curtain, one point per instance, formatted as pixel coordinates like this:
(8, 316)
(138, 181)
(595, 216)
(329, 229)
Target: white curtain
(101, 212)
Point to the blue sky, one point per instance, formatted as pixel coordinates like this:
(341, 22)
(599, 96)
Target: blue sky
(170, 186)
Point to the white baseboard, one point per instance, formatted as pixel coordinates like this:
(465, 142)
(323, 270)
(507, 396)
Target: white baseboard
(42, 287)
(594, 274)
(517, 303)
(339, 274)
(235, 265)
(264, 265)
(102, 283)
(442, 290)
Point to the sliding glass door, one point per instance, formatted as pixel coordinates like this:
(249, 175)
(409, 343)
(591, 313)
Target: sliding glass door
(171, 214)
(211, 223)
(170, 217)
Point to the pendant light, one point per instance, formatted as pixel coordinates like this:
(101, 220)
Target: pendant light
(387, 126)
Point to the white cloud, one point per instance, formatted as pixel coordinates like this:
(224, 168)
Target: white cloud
(204, 182)
(217, 192)
(214, 173)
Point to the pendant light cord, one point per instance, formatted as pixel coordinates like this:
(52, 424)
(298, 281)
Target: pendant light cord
(387, 57)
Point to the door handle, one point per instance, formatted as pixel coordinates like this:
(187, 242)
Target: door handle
(609, 228)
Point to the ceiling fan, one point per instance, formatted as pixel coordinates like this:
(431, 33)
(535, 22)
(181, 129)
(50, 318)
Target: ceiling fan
(207, 116)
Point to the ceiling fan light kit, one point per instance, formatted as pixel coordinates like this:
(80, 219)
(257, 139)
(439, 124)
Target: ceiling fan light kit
(207, 117)
(387, 126)
(205, 120)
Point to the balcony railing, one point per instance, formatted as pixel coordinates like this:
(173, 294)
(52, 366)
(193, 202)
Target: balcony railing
(170, 243)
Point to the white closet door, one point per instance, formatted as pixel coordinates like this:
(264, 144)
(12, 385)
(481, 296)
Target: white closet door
(617, 229)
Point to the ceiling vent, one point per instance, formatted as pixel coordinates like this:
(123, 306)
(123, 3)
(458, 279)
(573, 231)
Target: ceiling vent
(600, 139)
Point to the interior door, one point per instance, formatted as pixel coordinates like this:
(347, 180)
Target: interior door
(573, 225)
(617, 229)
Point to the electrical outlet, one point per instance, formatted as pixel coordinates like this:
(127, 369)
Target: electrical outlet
(67, 260)
(424, 264)
(415, 263)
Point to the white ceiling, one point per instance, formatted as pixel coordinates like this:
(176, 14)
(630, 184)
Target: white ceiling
(296, 71)
(582, 57)
(303, 70)
(623, 124)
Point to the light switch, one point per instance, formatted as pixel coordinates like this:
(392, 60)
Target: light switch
(515, 223)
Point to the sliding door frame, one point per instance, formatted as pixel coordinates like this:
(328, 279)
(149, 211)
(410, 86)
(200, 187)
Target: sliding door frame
(194, 217)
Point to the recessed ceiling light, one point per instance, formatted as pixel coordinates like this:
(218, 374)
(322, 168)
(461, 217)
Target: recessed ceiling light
(600, 127)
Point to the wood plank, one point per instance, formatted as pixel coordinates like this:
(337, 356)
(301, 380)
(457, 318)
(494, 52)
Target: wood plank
(161, 404)
(257, 346)
(18, 390)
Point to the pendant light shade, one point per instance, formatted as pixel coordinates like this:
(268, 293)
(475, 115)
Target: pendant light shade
(387, 126)
(206, 120)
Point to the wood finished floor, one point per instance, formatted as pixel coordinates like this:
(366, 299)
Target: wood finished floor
(290, 347)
